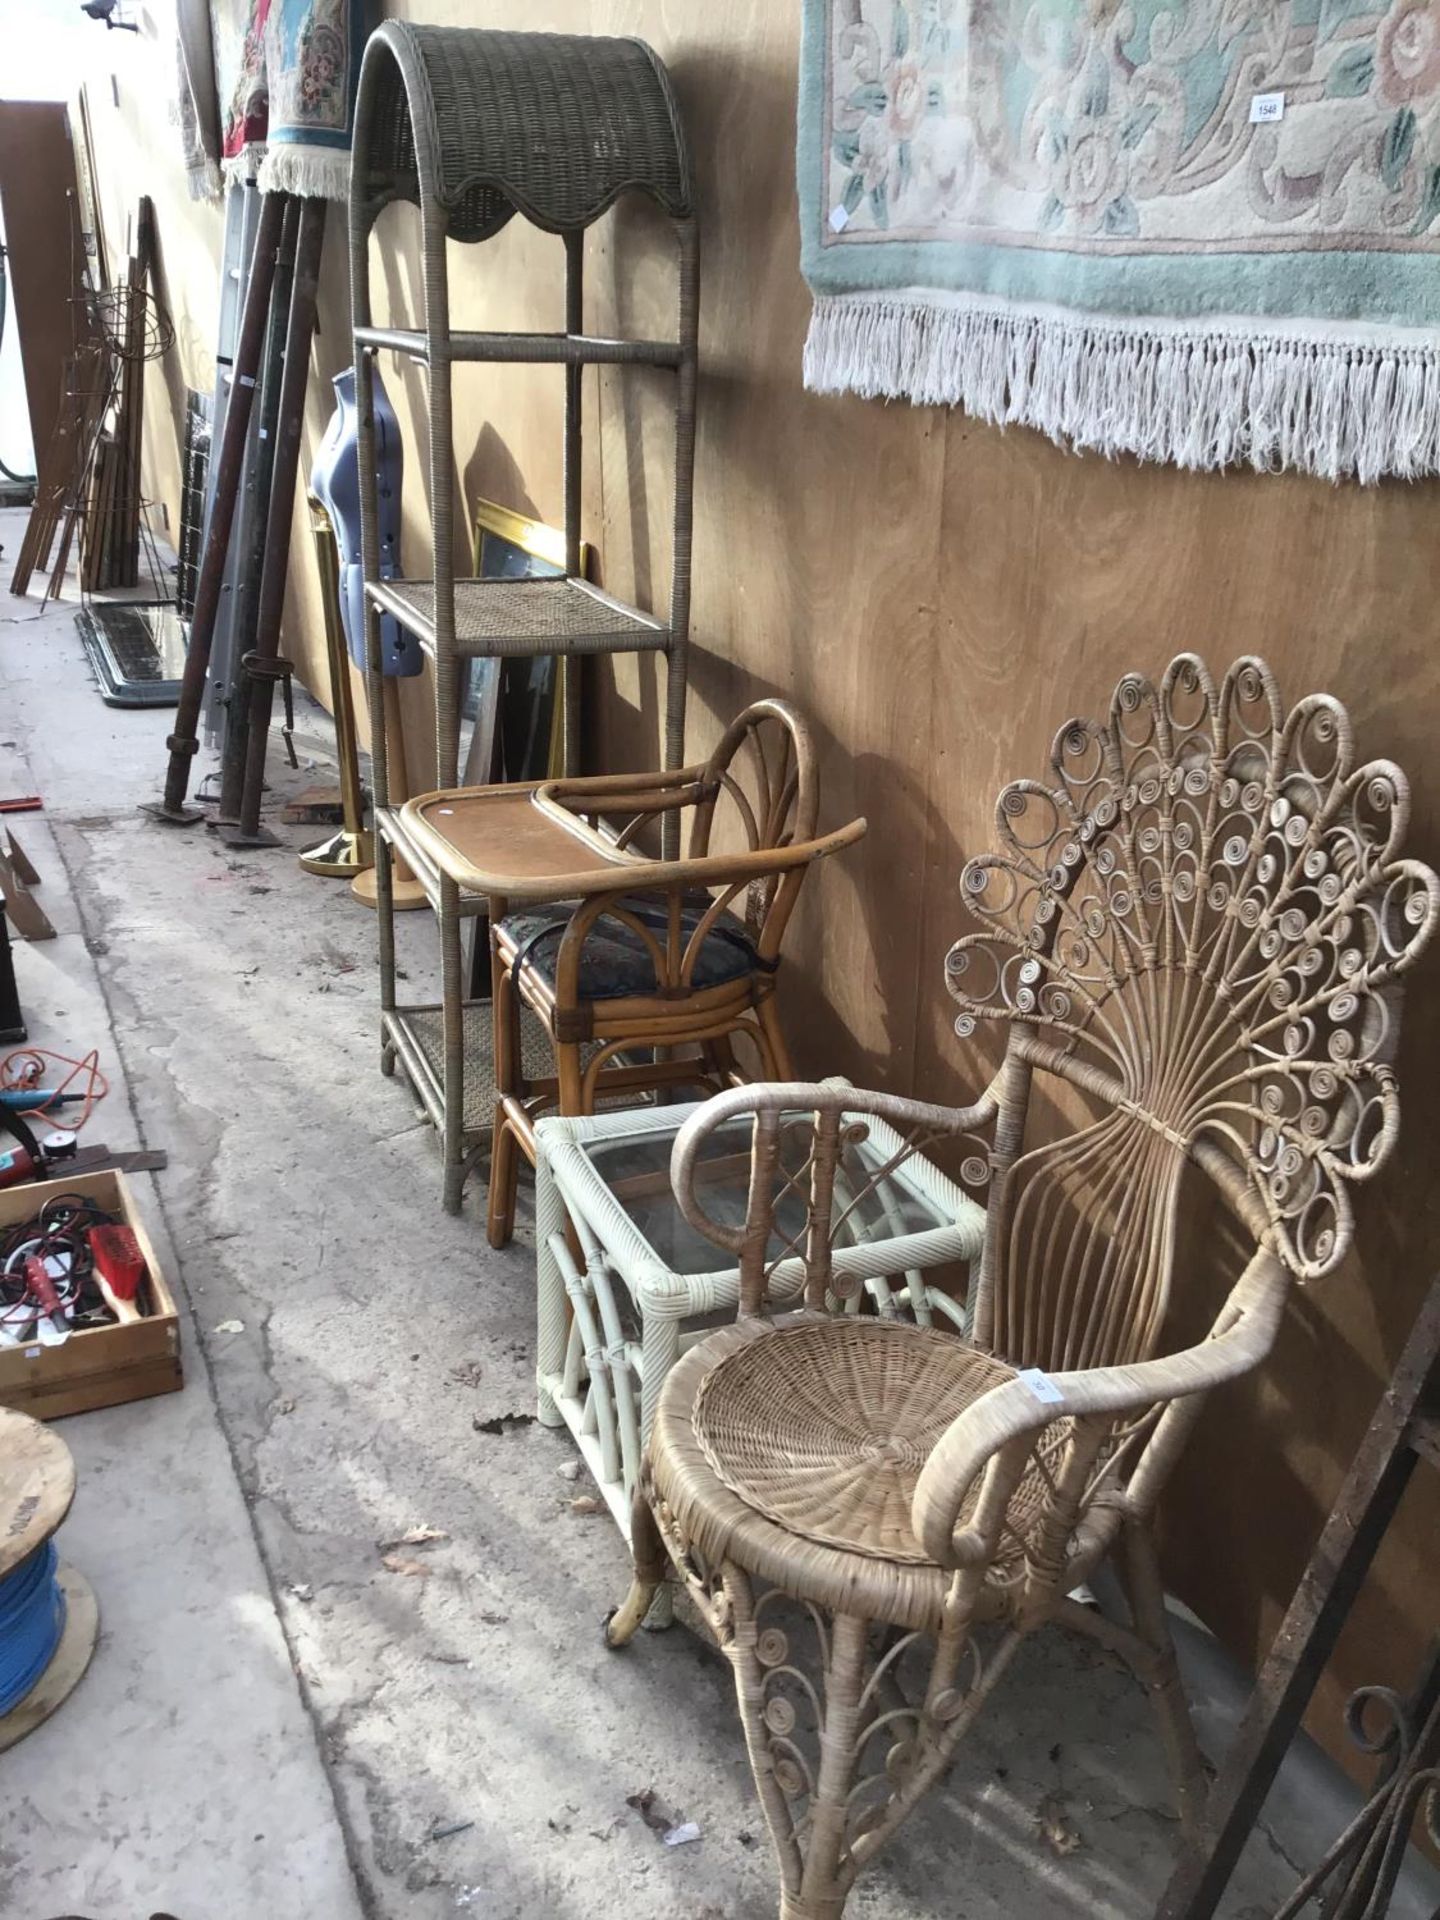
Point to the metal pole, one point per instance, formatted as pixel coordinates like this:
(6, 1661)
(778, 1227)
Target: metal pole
(350, 850)
(264, 665)
(184, 743)
(254, 521)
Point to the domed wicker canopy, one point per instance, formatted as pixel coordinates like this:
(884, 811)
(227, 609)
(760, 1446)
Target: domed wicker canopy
(554, 126)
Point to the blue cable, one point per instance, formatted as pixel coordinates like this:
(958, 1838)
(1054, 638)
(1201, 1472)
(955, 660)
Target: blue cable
(32, 1619)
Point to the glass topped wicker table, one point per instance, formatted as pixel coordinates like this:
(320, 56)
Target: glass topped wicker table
(646, 1286)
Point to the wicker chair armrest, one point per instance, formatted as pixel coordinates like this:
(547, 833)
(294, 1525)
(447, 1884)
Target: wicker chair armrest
(715, 870)
(991, 1441)
(832, 1098)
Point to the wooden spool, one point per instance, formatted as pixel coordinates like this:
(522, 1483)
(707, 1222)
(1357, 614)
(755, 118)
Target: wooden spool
(37, 1484)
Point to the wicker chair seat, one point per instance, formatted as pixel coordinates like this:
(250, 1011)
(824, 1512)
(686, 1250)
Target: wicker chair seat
(615, 962)
(794, 1447)
(554, 126)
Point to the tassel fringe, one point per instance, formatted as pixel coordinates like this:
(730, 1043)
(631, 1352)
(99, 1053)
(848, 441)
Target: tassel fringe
(1192, 396)
(315, 173)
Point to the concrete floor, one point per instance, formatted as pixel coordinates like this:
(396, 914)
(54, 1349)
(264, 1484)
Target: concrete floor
(275, 1724)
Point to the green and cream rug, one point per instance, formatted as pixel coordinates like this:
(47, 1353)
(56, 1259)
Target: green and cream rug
(1200, 231)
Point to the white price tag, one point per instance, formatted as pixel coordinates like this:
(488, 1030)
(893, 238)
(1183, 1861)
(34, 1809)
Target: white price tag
(839, 219)
(1265, 107)
(1040, 1384)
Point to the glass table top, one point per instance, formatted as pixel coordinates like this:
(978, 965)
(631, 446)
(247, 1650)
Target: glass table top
(636, 1169)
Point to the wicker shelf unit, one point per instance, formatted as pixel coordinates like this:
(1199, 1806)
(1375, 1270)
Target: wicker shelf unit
(474, 127)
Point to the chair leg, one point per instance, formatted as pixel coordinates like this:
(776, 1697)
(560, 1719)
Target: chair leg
(1140, 1572)
(453, 1016)
(571, 1075)
(385, 936)
(648, 1551)
(504, 1172)
(833, 1793)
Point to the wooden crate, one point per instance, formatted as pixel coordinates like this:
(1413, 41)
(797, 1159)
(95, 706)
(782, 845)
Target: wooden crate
(99, 1366)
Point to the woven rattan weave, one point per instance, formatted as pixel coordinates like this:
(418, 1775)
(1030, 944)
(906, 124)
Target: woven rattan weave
(553, 126)
(1195, 924)
(530, 616)
(474, 127)
(825, 1430)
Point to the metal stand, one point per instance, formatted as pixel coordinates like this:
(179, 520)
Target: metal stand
(251, 536)
(1357, 1875)
(245, 748)
(184, 742)
(352, 850)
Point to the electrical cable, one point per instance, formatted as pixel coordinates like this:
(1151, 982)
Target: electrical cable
(28, 1067)
(32, 1620)
(58, 1240)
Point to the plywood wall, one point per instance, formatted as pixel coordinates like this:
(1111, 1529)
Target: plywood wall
(939, 597)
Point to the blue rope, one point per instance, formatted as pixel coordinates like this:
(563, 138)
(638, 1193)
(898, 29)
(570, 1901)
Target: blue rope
(32, 1619)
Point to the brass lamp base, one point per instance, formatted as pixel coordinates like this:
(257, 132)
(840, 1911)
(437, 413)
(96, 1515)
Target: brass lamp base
(342, 856)
(407, 894)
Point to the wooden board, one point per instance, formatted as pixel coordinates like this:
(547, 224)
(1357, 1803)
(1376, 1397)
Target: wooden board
(98, 1366)
(38, 201)
(37, 1485)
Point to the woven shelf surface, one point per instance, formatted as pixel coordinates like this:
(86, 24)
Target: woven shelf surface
(427, 1027)
(556, 126)
(825, 1427)
(523, 616)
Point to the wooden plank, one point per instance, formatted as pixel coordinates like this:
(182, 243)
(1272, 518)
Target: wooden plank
(37, 1485)
(38, 198)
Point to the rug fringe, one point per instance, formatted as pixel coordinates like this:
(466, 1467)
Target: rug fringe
(204, 180)
(312, 172)
(237, 168)
(1200, 398)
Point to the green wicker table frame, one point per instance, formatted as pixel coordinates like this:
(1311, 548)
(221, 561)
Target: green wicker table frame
(473, 127)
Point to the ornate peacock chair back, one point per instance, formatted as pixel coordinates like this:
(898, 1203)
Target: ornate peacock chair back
(1200, 922)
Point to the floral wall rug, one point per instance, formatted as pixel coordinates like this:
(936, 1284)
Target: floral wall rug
(1200, 231)
(313, 50)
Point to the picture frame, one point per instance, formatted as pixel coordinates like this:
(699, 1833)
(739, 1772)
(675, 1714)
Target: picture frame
(511, 710)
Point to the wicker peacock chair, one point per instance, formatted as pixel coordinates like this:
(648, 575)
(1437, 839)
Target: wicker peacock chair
(1193, 928)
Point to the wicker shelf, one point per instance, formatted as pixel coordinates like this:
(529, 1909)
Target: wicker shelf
(500, 619)
(521, 349)
(418, 1036)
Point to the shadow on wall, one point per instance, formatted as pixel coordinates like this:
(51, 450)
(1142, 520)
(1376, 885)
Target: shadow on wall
(493, 473)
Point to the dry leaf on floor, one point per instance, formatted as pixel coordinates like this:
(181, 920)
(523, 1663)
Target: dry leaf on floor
(414, 1537)
(585, 1505)
(397, 1563)
(652, 1810)
(231, 1326)
(1057, 1829)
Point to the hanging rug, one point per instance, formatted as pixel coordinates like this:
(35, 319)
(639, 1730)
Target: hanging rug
(1205, 233)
